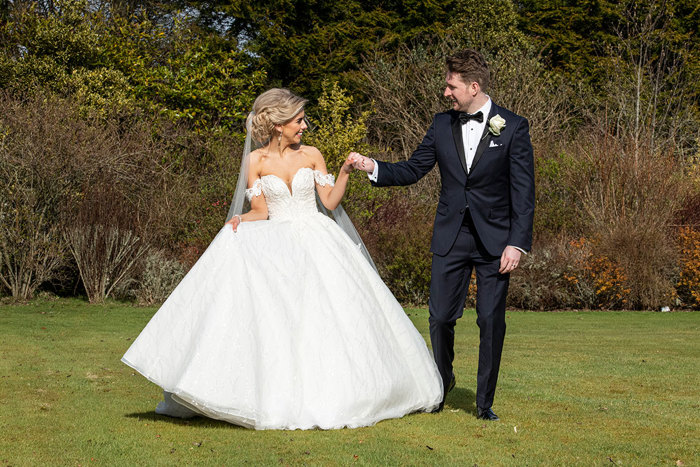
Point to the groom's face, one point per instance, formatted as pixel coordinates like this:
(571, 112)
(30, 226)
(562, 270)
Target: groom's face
(458, 92)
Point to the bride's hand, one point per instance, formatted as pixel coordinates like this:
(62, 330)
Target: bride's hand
(234, 222)
(348, 165)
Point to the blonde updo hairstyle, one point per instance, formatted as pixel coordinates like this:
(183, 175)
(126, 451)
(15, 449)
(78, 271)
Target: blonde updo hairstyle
(275, 106)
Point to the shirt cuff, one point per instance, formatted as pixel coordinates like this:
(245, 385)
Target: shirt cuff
(519, 249)
(375, 173)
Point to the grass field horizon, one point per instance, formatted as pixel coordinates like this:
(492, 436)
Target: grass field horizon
(576, 388)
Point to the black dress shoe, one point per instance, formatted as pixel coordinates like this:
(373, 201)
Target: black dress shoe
(450, 387)
(486, 414)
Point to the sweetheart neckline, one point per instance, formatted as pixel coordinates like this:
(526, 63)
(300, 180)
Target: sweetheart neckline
(288, 185)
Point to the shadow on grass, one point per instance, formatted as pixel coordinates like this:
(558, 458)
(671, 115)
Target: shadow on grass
(462, 398)
(199, 421)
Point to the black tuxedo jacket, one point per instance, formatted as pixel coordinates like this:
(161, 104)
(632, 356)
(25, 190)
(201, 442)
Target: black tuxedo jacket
(498, 191)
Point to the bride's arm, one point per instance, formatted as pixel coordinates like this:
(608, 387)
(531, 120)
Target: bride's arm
(331, 195)
(258, 205)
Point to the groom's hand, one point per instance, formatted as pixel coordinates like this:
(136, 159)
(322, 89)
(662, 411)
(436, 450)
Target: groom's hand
(362, 163)
(509, 259)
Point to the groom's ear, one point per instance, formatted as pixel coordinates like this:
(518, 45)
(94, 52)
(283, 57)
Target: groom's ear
(474, 88)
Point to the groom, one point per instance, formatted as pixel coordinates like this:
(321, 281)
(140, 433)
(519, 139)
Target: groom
(484, 215)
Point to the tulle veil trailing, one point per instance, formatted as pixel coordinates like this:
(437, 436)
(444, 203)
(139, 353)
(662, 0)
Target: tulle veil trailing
(240, 204)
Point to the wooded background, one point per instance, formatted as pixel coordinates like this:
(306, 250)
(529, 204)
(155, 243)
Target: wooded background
(122, 123)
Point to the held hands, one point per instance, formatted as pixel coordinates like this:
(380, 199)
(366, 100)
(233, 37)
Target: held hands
(361, 162)
(509, 259)
(348, 165)
(234, 222)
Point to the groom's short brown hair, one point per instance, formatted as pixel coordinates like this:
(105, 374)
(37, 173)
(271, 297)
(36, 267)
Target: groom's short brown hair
(471, 66)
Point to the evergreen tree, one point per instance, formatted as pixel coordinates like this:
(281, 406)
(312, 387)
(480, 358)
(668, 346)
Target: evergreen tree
(303, 42)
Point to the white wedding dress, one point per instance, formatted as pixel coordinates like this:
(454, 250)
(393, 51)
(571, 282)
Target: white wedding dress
(284, 325)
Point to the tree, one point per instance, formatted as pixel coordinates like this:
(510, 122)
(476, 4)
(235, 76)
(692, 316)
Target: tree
(182, 73)
(113, 64)
(303, 42)
(576, 35)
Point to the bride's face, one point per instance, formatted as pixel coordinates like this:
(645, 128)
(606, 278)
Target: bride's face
(293, 129)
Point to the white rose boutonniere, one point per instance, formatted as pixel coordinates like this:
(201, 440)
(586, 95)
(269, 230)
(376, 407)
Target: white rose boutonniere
(496, 124)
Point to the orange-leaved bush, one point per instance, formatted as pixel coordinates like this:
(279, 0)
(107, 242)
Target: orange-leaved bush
(688, 285)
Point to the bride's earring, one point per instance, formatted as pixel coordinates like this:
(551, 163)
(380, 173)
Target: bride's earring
(279, 137)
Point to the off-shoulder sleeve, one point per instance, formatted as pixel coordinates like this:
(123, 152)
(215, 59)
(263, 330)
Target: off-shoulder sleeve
(255, 190)
(324, 179)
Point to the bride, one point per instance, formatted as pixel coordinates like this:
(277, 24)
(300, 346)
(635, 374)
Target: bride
(283, 323)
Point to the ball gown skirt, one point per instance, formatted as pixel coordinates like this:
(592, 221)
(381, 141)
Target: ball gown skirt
(285, 325)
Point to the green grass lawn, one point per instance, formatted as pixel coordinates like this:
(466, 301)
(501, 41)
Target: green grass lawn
(576, 388)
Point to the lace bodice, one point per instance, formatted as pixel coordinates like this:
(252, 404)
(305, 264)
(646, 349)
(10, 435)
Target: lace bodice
(281, 202)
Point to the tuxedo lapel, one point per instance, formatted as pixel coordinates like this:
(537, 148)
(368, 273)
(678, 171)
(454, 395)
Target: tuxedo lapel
(459, 143)
(485, 138)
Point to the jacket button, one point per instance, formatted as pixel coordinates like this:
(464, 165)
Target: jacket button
(461, 211)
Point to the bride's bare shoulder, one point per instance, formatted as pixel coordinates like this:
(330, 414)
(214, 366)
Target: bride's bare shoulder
(257, 155)
(257, 159)
(312, 153)
(309, 149)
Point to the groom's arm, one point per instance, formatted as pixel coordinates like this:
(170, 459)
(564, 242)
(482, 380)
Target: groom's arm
(522, 198)
(522, 188)
(405, 172)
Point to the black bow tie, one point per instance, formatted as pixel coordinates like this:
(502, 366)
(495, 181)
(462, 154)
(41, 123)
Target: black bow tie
(465, 117)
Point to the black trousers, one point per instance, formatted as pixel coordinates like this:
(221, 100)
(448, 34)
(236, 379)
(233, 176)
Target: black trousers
(448, 291)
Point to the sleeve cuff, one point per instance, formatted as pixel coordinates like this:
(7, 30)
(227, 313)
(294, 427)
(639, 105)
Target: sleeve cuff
(375, 173)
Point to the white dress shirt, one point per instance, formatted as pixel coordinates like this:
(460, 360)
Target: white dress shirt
(471, 133)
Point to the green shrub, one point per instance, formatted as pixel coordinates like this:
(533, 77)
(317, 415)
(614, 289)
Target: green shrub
(398, 235)
(336, 131)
